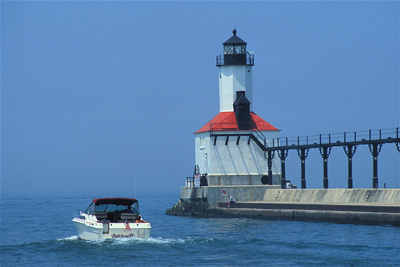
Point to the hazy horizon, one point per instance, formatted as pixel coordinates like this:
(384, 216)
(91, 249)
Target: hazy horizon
(104, 97)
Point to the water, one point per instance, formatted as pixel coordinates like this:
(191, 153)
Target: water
(39, 232)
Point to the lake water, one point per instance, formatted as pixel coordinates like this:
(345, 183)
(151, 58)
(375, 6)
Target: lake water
(39, 232)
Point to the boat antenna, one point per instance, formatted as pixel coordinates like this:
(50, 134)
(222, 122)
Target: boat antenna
(134, 178)
(87, 190)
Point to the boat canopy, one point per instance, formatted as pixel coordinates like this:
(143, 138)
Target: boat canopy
(115, 201)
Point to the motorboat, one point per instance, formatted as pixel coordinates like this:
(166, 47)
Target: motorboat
(112, 218)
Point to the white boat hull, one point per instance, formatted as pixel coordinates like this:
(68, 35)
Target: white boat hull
(90, 230)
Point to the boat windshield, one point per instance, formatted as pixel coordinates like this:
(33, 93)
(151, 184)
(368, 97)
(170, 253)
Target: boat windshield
(134, 208)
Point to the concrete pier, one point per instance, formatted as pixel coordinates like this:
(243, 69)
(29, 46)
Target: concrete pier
(363, 206)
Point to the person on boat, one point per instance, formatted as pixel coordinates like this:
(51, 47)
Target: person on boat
(288, 184)
(231, 201)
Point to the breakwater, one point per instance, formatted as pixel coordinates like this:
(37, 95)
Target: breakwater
(365, 206)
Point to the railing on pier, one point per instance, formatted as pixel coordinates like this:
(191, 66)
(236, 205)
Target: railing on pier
(349, 141)
(198, 179)
(229, 126)
(189, 182)
(337, 139)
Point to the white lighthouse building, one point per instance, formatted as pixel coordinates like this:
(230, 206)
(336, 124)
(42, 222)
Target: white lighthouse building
(227, 148)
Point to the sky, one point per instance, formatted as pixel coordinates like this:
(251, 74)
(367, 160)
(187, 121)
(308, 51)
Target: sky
(104, 97)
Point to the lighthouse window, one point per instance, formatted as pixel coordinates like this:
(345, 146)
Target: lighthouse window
(201, 142)
(228, 49)
(239, 49)
(234, 49)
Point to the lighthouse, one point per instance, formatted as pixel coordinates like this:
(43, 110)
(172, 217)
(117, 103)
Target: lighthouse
(227, 148)
(235, 72)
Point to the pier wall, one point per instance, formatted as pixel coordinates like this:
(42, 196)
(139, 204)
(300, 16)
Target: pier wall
(360, 205)
(213, 195)
(353, 196)
(222, 180)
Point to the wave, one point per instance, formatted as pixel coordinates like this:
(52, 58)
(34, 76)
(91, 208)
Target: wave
(40, 243)
(141, 241)
(162, 241)
(151, 241)
(70, 238)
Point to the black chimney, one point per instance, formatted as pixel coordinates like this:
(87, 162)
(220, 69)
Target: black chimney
(241, 107)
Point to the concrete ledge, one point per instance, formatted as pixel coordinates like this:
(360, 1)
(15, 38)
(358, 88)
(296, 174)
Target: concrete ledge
(254, 213)
(361, 195)
(212, 194)
(360, 207)
(364, 206)
(241, 179)
(312, 215)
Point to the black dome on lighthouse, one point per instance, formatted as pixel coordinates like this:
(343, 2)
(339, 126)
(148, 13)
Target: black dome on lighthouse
(234, 39)
(235, 52)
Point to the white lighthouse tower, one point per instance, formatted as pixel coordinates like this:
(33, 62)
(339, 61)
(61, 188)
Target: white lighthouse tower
(225, 148)
(235, 72)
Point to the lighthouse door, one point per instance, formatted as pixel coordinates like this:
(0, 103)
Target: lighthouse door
(203, 162)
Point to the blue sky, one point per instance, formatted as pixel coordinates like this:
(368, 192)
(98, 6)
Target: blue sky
(104, 97)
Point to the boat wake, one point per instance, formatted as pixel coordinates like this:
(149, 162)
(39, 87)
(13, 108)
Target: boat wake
(160, 240)
(70, 238)
(141, 241)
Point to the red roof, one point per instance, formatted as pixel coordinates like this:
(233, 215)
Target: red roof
(226, 121)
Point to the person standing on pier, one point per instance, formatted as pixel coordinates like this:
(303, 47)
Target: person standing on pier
(231, 201)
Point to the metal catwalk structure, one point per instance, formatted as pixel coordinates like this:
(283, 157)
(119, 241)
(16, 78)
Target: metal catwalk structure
(349, 141)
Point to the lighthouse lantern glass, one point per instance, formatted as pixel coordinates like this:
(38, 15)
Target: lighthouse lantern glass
(234, 49)
(228, 49)
(239, 49)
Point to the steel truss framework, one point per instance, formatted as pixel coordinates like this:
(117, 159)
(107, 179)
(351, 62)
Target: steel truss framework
(324, 142)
